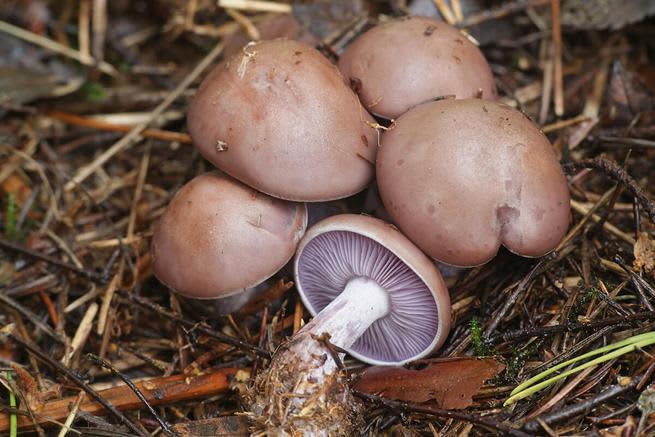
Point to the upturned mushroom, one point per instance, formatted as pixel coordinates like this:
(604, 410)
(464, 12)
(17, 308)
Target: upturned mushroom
(404, 62)
(374, 294)
(218, 237)
(279, 117)
(460, 178)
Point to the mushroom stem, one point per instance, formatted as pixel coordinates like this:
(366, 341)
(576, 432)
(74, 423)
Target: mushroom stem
(303, 392)
(347, 317)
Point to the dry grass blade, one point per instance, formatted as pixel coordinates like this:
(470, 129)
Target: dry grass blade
(55, 47)
(134, 135)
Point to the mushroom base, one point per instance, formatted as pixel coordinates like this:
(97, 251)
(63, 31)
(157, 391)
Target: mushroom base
(299, 395)
(305, 392)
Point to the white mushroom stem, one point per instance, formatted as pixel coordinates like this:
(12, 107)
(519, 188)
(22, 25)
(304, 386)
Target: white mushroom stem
(345, 319)
(348, 316)
(302, 393)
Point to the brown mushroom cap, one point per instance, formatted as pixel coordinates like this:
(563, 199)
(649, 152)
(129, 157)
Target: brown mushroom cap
(279, 117)
(218, 237)
(405, 62)
(462, 177)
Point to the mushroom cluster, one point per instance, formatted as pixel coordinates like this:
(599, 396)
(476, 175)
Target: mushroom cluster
(459, 175)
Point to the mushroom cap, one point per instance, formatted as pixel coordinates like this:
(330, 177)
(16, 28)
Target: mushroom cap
(402, 63)
(279, 117)
(219, 237)
(462, 177)
(345, 246)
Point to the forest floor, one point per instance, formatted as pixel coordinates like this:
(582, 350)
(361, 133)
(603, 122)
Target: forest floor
(93, 146)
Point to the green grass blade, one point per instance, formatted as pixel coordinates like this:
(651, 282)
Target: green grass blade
(609, 347)
(13, 420)
(616, 353)
(10, 218)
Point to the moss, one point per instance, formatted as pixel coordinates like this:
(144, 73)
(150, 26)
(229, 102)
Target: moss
(480, 346)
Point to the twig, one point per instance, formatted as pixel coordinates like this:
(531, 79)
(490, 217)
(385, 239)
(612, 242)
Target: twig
(580, 208)
(66, 427)
(506, 9)
(573, 350)
(99, 22)
(558, 81)
(547, 82)
(224, 338)
(545, 331)
(333, 350)
(55, 47)
(14, 247)
(80, 382)
(615, 172)
(133, 136)
(582, 407)
(637, 280)
(450, 414)
(29, 315)
(261, 343)
(92, 123)
(82, 333)
(457, 10)
(256, 5)
(520, 288)
(84, 29)
(561, 394)
(634, 143)
(158, 391)
(164, 426)
(445, 11)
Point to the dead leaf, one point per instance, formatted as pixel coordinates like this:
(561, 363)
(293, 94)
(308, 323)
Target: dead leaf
(644, 252)
(448, 384)
(28, 387)
(16, 185)
(233, 426)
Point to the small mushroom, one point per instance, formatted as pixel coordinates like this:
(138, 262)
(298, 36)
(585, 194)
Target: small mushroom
(219, 237)
(462, 177)
(374, 294)
(402, 63)
(279, 117)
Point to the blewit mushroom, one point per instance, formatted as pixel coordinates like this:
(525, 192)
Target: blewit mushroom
(375, 295)
(404, 62)
(279, 117)
(461, 178)
(219, 237)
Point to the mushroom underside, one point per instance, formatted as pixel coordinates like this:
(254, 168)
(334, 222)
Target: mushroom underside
(332, 259)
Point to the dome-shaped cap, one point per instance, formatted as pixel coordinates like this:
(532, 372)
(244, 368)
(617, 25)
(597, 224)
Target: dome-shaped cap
(462, 177)
(279, 117)
(408, 61)
(348, 246)
(218, 237)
